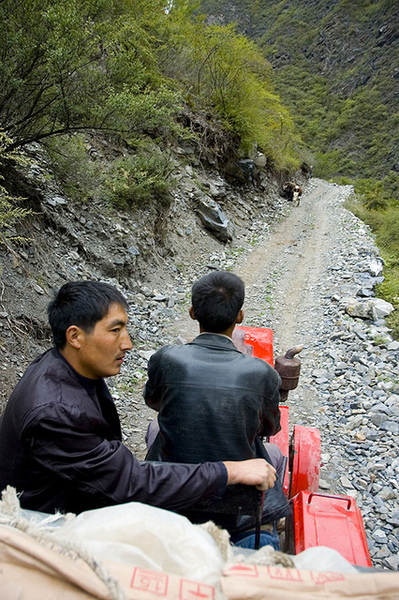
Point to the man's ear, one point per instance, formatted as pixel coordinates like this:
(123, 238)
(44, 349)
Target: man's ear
(191, 313)
(73, 336)
(240, 317)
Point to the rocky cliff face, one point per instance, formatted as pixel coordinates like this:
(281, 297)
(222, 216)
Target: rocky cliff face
(333, 37)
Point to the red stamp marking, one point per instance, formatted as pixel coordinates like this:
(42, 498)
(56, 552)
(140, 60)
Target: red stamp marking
(285, 574)
(243, 570)
(323, 577)
(150, 581)
(192, 590)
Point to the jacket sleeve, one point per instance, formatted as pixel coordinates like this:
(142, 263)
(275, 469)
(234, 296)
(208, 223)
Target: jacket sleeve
(153, 389)
(270, 419)
(107, 472)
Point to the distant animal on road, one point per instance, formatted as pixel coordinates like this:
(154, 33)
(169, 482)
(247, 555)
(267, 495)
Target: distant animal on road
(292, 191)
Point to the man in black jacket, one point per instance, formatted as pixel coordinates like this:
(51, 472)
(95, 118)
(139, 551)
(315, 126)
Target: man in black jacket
(213, 402)
(60, 437)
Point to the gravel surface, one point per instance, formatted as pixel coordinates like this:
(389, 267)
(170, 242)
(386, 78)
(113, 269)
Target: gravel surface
(299, 278)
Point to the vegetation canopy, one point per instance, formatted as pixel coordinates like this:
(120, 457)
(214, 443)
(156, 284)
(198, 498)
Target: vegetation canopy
(11, 211)
(128, 71)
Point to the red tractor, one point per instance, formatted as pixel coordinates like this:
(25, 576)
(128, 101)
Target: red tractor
(316, 519)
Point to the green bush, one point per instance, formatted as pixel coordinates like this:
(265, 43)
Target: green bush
(137, 179)
(225, 73)
(389, 290)
(73, 169)
(67, 65)
(11, 212)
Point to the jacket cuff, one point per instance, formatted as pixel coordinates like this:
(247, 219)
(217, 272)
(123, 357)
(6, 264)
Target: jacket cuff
(223, 479)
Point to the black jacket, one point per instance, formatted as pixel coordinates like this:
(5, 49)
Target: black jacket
(60, 446)
(213, 401)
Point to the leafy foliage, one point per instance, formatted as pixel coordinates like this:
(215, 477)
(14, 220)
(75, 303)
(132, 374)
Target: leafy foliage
(10, 210)
(335, 66)
(86, 169)
(135, 180)
(73, 169)
(224, 72)
(67, 65)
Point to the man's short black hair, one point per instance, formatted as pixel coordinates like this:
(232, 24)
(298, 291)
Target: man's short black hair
(217, 298)
(81, 303)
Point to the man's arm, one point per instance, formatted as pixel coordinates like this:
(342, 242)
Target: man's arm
(150, 398)
(107, 472)
(270, 419)
(152, 390)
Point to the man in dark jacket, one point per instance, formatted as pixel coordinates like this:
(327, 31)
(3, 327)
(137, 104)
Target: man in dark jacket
(60, 437)
(214, 402)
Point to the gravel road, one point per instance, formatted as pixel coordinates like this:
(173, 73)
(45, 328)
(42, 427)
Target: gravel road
(288, 275)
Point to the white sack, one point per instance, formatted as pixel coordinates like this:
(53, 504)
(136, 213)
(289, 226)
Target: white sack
(147, 537)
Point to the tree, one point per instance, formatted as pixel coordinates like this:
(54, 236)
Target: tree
(68, 65)
(224, 72)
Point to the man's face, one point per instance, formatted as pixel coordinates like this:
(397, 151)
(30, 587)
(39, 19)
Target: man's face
(101, 352)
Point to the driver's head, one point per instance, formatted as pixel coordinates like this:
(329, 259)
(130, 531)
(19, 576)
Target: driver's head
(216, 300)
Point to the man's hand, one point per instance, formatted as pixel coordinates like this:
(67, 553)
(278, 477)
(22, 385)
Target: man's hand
(255, 471)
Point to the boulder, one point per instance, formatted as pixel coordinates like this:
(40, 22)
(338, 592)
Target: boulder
(356, 308)
(214, 220)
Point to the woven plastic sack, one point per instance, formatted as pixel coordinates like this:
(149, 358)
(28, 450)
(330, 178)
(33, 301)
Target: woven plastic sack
(148, 537)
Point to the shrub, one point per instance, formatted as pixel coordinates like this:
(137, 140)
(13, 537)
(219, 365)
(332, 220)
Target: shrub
(68, 65)
(73, 168)
(11, 213)
(224, 73)
(137, 179)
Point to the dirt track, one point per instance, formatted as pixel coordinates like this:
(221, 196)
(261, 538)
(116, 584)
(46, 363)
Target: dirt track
(289, 267)
(285, 271)
(287, 274)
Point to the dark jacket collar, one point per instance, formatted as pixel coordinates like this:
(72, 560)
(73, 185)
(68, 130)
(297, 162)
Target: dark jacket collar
(215, 340)
(92, 386)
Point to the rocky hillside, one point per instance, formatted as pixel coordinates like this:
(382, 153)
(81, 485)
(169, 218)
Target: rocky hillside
(142, 252)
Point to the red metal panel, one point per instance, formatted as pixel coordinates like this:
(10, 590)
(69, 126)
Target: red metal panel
(261, 339)
(332, 521)
(282, 440)
(306, 460)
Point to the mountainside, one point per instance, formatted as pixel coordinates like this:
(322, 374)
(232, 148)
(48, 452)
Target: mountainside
(143, 252)
(336, 64)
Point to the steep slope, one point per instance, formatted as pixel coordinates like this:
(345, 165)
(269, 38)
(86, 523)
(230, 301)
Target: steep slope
(143, 252)
(336, 64)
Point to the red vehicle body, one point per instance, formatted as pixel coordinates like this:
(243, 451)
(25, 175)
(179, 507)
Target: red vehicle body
(317, 519)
